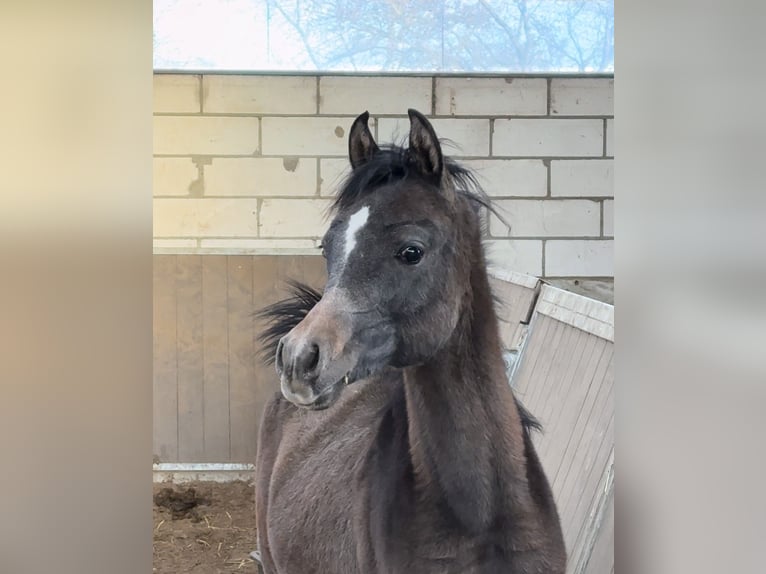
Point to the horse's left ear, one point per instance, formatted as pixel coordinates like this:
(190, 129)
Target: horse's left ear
(425, 150)
(361, 145)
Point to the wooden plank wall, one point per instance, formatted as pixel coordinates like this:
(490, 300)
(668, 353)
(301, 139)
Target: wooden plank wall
(601, 558)
(514, 303)
(209, 385)
(566, 379)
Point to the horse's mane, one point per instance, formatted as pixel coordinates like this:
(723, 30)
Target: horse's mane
(281, 317)
(393, 163)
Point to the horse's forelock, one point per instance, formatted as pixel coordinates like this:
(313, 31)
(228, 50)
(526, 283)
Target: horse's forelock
(392, 163)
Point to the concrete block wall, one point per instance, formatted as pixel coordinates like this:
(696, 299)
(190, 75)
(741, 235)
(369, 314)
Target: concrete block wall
(249, 163)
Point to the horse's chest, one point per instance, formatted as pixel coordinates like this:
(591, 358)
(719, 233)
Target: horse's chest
(314, 489)
(312, 492)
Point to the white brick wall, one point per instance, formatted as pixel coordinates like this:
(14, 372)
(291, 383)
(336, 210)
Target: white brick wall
(259, 94)
(174, 176)
(192, 218)
(579, 258)
(609, 218)
(578, 178)
(307, 246)
(548, 137)
(174, 245)
(380, 95)
(237, 246)
(582, 97)
(511, 177)
(491, 96)
(332, 172)
(249, 163)
(176, 93)
(523, 256)
(306, 136)
(610, 138)
(294, 217)
(546, 218)
(205, 135)
(259, 177)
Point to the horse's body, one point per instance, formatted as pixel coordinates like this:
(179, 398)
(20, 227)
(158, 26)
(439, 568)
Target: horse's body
(424, 463)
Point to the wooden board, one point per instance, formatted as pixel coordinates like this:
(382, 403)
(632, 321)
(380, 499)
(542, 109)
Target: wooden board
(215, 348)
(165, 402)
(189, 349)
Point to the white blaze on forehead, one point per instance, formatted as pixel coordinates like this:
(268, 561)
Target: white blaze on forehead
(355, 224)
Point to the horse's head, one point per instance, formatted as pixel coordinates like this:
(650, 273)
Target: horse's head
(398, 254)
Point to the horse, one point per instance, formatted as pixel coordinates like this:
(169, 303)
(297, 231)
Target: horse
(395, 444)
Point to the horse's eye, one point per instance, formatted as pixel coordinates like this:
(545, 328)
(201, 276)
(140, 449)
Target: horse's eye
(411, 254)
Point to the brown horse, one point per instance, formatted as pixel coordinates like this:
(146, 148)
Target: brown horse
(396, 444)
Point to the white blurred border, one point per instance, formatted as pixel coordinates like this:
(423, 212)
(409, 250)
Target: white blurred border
(75, 287)
(690, 285)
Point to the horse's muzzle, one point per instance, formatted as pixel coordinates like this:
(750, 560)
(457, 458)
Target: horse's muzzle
(313, 360)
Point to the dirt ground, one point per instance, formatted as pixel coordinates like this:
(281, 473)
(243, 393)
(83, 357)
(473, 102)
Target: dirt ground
(204, 528)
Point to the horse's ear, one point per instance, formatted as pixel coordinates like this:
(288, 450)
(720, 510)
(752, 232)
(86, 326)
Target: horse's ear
(361, 145)
(425, 150)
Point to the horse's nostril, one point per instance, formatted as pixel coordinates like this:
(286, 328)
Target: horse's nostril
(278, 359)
(313, 358)
(307, 360)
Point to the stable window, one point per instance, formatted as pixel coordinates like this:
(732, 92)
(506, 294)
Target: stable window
(520, 36)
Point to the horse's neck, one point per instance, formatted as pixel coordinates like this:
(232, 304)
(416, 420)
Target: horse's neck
(466, 437)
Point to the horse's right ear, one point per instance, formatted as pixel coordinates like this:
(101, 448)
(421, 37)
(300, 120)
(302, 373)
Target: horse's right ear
(425, 150)
(361, 145)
